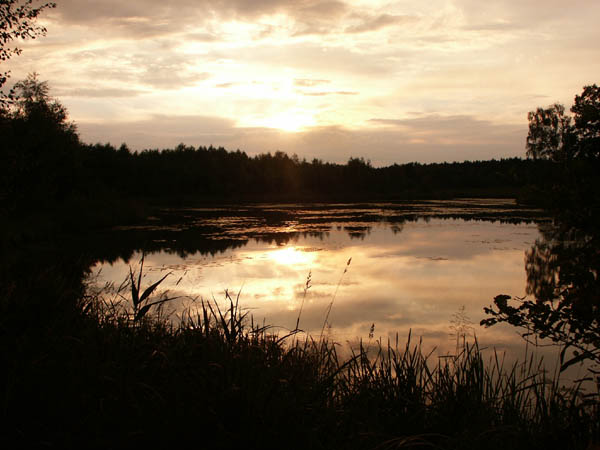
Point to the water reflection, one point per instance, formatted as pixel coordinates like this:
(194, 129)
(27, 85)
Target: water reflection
(407, 272)
(211, 231)
(563, 268)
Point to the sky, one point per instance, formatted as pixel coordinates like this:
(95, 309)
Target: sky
(390, 81)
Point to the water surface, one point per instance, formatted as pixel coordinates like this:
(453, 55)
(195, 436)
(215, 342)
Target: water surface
(381, 269)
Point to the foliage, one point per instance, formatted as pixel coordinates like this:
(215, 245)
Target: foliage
(215, 174)
(17, 21)
(556, 136)
(562, 270)
(219, 381)
(40, 151)
(586, 110)
(35, 105)
(563, 266)
(142, 303)
(551, 135)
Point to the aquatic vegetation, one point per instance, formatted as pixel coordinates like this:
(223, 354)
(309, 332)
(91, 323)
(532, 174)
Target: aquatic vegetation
(99, 377)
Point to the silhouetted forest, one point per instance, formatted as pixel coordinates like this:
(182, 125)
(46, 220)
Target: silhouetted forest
(44, 162)
(45, 168)
(209, 173)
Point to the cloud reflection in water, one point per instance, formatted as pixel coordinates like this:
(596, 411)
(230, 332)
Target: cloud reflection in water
(416, 278)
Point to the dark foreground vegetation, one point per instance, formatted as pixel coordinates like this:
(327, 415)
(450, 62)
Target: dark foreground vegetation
(82, 372)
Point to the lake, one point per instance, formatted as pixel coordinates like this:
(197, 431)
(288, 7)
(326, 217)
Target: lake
(379, 269)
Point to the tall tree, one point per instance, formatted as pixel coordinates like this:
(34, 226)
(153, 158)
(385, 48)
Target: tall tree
(39, 158)
(556, 136)
(550, 133)
(586, 110)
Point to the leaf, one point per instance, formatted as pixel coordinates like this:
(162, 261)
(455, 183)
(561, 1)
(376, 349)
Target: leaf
(151, 289)
(142, 312)
(134, 290)
(139, 284)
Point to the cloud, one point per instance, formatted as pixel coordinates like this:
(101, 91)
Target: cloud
(435, 128)
(93, 92)
(320, 94)
(309, 57)
(332, 62)
(147, 67)
(379, 22)
(151, 17)
(225, 85)
(166, 77)
(201, 37)
(309, 82)
(155, 18)
(427, 139)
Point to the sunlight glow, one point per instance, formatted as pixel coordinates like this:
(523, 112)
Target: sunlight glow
(289, 121)
(291, 256)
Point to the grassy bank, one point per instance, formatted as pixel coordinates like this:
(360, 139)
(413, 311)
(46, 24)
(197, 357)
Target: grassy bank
(79, 372)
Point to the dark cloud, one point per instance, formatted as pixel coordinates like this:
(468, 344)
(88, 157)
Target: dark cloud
(157, 17)
(154, 18)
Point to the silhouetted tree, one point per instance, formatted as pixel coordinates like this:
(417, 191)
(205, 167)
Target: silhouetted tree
(586, 110)
(17, 21)
(552, 134)
(563, 267)
(40, 148)
(34, 104)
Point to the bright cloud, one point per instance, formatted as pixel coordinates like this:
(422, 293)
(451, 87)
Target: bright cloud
(391, 81)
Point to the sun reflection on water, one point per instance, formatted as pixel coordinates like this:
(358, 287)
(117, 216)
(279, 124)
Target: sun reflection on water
(292, 256)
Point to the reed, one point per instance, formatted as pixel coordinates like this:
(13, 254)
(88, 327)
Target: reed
(218, 380)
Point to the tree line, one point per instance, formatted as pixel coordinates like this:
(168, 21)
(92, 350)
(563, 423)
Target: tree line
(44, 162)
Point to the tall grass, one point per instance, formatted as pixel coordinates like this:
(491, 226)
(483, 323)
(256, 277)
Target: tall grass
(110, 379)
(394, 397)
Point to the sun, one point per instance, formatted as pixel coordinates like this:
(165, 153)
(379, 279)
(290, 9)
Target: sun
(290, 121)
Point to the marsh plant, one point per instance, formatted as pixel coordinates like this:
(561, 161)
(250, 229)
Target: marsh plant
(236, 382)
(461, 329)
